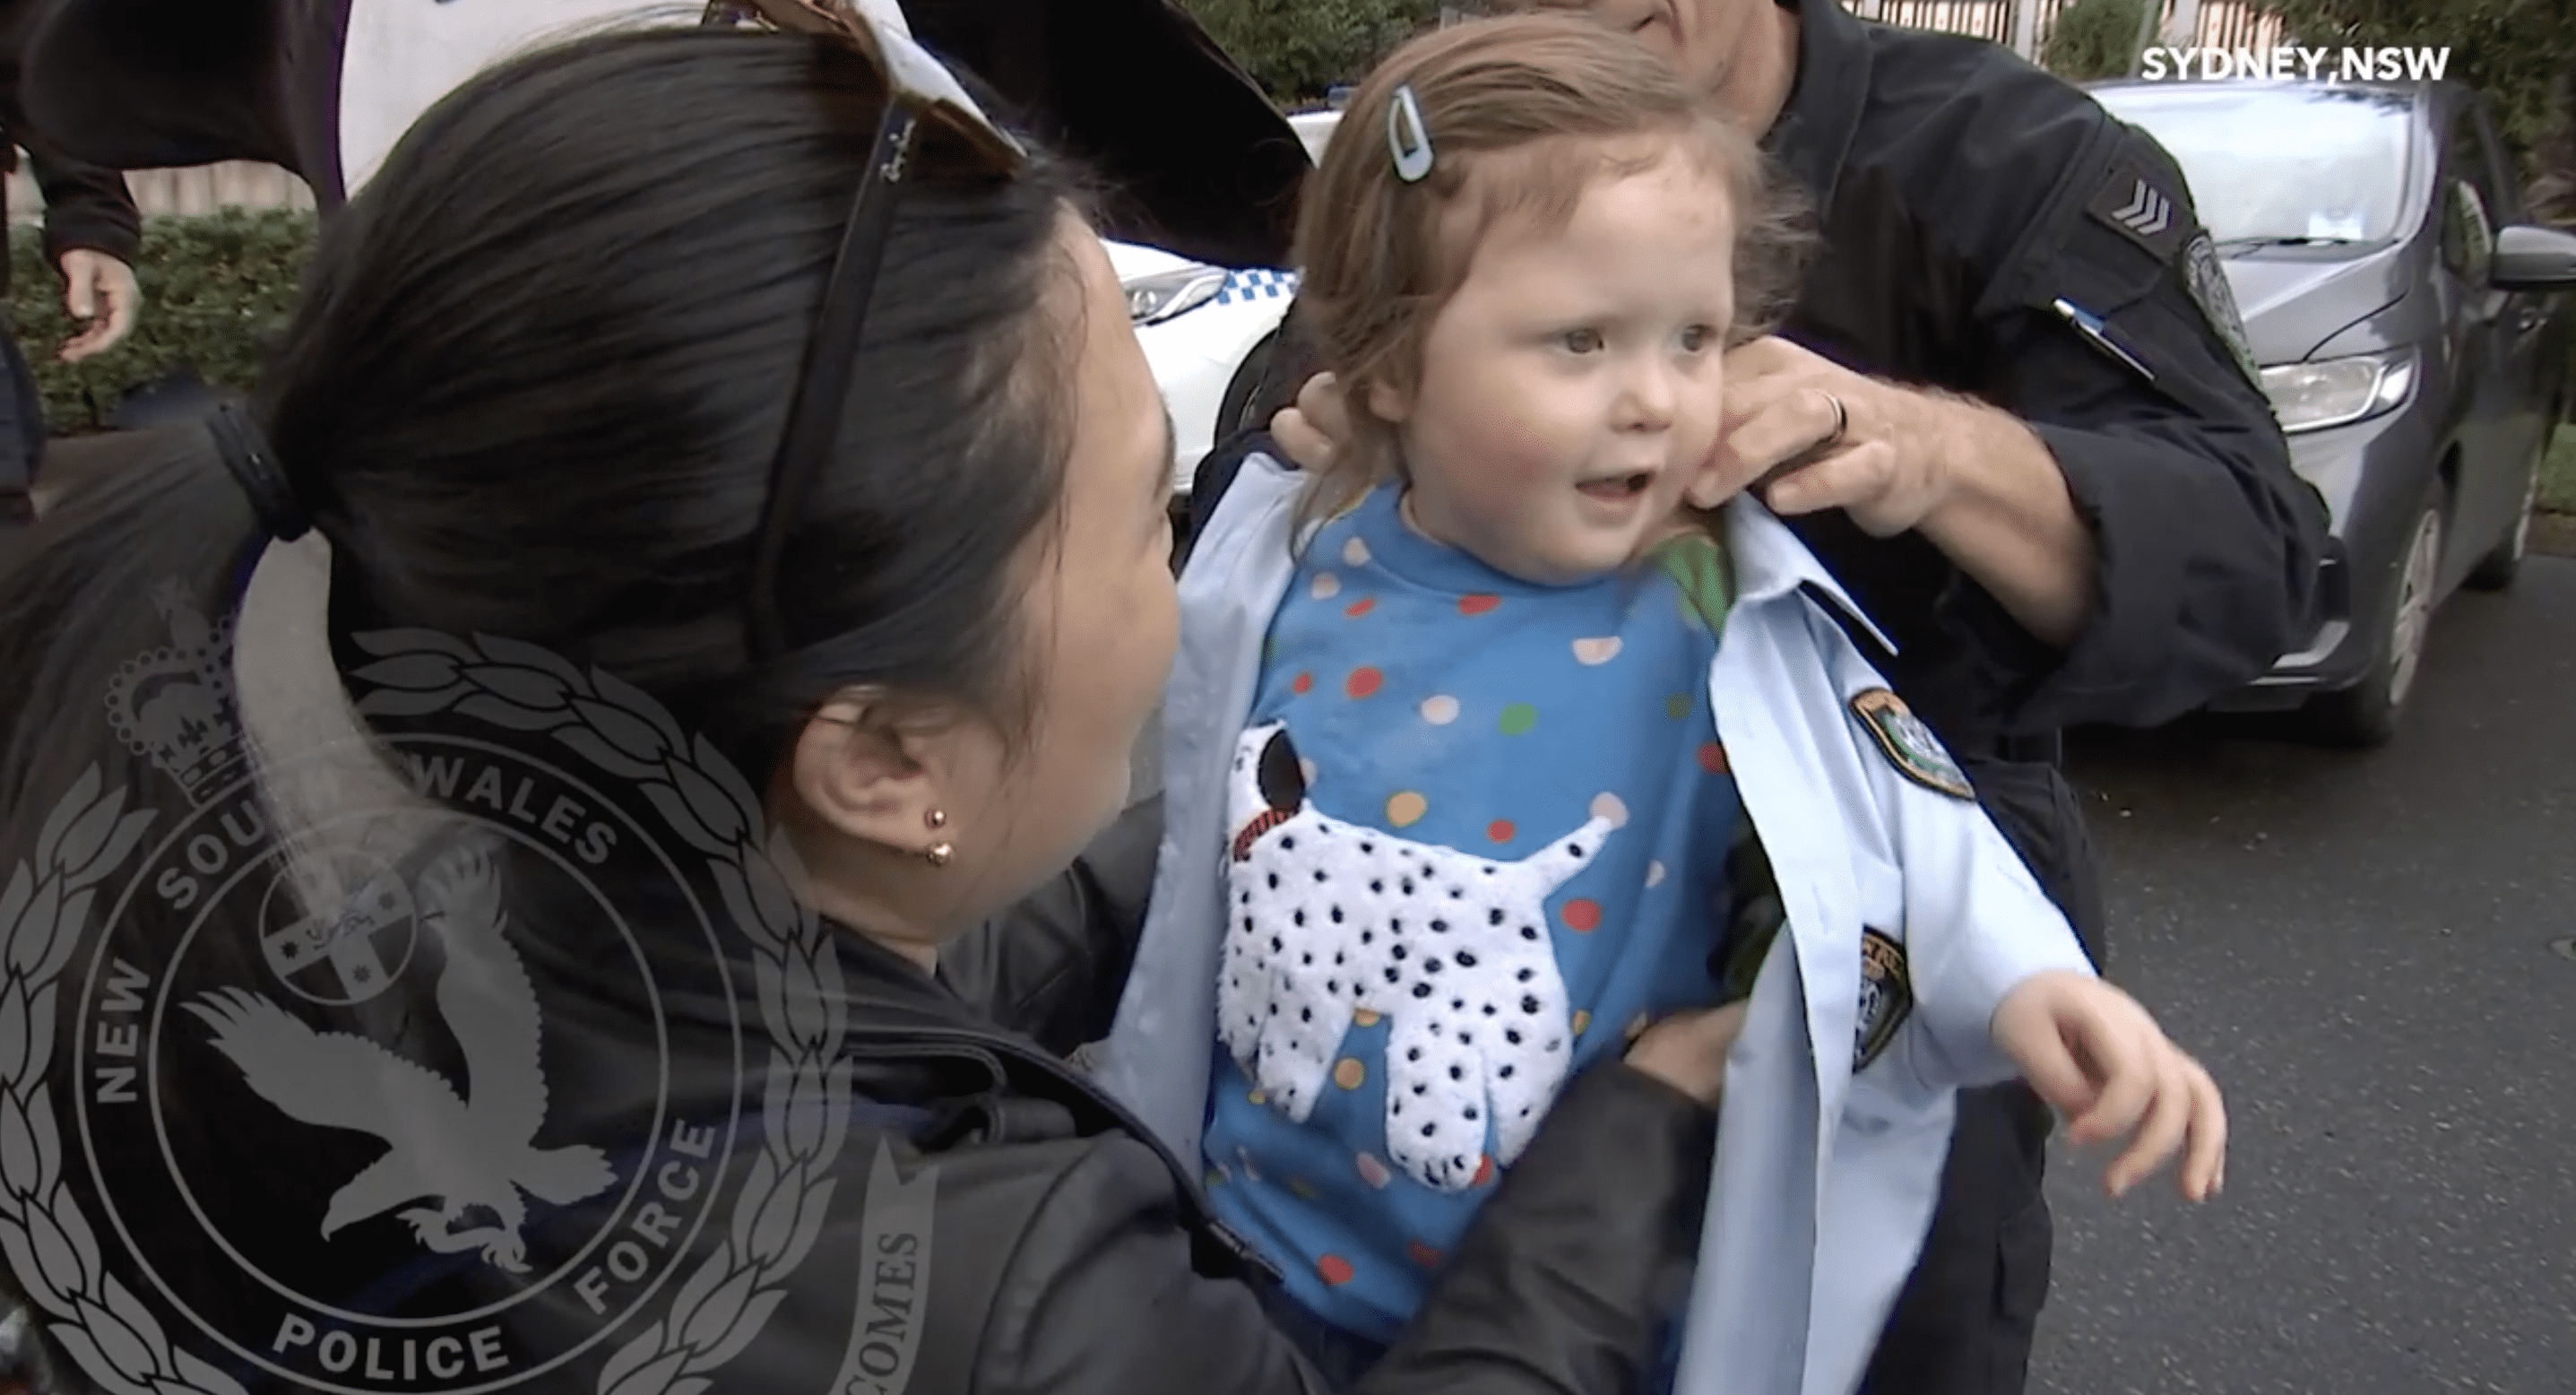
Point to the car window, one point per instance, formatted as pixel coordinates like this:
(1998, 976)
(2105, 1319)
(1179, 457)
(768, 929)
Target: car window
(2281, 164)
(2504, 188)
(2468, 222)
(2467, 234)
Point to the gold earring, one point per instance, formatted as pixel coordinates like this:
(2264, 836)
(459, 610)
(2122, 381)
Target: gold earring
(936, 818)
(937, 854)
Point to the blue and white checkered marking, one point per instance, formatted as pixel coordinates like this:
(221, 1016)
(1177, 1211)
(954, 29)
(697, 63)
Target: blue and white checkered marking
(1260, 283)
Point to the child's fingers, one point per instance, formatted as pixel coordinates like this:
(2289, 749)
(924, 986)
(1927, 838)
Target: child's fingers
(2168, 1119)
(2121, 1061)
(2204, 1169)
(2051, 1069)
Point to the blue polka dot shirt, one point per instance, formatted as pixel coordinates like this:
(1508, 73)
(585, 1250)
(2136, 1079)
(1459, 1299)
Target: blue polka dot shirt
(1478, 837)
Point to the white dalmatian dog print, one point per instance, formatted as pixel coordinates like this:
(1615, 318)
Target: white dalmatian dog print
(1330, 918)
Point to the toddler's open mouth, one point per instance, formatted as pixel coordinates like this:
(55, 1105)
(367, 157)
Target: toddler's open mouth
(1615, 487)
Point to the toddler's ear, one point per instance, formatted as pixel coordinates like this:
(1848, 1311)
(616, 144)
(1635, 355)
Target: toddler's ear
(1388, 403)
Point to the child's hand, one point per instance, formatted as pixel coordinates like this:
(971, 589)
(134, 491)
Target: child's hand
(1688, 1050)
(2094, 1053)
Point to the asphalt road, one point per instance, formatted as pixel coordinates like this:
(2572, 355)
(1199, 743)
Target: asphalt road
(2361, 947)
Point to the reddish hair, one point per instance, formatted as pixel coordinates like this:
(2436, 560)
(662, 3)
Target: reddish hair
(1524, 113)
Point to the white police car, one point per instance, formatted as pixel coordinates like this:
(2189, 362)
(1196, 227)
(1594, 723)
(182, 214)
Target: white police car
(1204, 327)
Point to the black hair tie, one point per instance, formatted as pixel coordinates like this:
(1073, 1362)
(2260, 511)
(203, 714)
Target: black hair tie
(246, 453)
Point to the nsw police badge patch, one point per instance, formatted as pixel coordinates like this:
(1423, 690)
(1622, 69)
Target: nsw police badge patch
(1886, 997)
(2217, 301)
(1909, 745)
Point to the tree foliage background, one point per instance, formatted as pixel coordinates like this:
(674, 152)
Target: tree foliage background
(2521, 53)
(2093, 39)
(1298, 49)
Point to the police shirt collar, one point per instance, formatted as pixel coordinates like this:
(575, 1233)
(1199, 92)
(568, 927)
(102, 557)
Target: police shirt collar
(1771, 562)
(1812, 136)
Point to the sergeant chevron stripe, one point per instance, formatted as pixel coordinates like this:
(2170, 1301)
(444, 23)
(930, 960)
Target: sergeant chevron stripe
(2142, 208)
(2147, 212)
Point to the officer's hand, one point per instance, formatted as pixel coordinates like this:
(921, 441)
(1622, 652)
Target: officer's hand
(1780, 420)
(1688, 1050)
(1312, 430)
(2094, 1053)
(100, 291)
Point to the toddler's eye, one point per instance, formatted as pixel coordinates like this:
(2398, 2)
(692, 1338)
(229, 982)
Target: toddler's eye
(1697, 338)
(1584, 341)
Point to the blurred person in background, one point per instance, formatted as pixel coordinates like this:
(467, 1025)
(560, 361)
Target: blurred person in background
(91, 230)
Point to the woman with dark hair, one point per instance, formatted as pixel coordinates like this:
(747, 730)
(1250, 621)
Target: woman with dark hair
(568, 957)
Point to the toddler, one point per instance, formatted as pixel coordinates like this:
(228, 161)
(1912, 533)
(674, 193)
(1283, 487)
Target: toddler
(1509, 734)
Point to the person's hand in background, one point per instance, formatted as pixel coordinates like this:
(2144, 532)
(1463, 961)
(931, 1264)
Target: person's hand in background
(99, 292)
(1312, 431)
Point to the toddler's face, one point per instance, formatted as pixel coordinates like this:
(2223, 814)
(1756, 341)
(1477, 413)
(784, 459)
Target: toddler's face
(1570, 390)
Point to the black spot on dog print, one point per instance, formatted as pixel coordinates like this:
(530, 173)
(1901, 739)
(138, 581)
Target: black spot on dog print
(1283, 775)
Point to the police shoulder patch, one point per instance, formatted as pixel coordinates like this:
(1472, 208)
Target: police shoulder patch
(2207, 281)
(2141, 208)
(1886, 997)
(1909, 745)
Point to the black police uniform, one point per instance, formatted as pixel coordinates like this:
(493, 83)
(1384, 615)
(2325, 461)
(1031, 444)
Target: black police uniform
(1962, 195)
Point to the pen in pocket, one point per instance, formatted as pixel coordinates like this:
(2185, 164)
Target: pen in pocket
(2098, 333)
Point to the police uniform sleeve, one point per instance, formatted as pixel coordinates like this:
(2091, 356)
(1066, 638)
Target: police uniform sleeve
(1975, 922)
(2114, 336)
(1563, 1284)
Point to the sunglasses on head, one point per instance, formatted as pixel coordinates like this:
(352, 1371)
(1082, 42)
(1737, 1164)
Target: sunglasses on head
(929, 121)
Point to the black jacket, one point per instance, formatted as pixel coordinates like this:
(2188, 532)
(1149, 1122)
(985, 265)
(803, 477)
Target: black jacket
(87, 207)
(989, 1222)
(1960, 193)
(1197, 159)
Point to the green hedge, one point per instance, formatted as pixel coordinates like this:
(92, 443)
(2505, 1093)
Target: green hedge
(215, 289)
(2094, 39)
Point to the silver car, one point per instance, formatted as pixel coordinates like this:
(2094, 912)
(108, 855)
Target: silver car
(2407, 319)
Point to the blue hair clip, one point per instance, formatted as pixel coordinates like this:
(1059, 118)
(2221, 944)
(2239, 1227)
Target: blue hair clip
(1408, 137)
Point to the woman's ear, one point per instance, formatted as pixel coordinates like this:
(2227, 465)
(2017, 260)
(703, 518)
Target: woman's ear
(874, 774)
